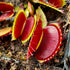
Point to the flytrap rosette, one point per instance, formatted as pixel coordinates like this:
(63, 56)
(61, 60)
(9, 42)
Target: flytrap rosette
(5, 31)
(28, 29)
(36, 39)
(40, 14)
(50, 44)
(51, 6)
(18, 25)
(6, 10)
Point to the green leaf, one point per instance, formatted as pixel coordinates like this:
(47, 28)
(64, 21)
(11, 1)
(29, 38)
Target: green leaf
(16, 8)
(40, 14)
(26, 12)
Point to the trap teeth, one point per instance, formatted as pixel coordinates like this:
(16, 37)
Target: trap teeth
(36, 38)
(55, 52)
(48, 59)
(44, 52)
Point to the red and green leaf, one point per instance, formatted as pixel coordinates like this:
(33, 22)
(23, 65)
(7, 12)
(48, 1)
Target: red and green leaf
(49, 5)
(6, 15)
(50, 44)
(57, 3)
(18, 24)
(17, 8)
(27, 12)
(36, 39)
(6, 10)
(28, 29)
(40, 14)
(31, 8)
(5, 31)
